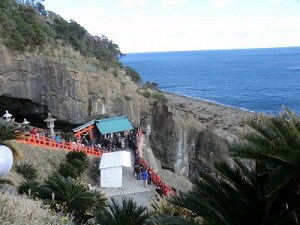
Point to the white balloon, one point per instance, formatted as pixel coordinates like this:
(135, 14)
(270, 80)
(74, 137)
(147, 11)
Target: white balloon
(6, 160)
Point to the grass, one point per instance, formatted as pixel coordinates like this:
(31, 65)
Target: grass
(46, 160)
(19, 210)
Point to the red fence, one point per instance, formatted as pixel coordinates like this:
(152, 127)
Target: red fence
(154, 176)
(43, 141)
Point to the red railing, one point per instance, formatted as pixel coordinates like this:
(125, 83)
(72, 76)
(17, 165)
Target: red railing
(154, 176)
(43, 141)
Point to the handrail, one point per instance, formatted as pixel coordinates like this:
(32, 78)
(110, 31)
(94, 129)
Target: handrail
(46, 142)
(154, 176)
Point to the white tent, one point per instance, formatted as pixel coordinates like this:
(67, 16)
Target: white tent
(111, 168)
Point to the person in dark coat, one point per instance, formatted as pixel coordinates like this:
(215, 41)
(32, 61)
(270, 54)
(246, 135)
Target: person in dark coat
(137, 171)
(149, 177)
(159, 189)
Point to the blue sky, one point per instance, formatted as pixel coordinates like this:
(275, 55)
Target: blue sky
(177, 25)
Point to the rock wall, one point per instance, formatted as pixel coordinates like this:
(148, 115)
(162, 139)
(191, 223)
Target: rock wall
(32, 85)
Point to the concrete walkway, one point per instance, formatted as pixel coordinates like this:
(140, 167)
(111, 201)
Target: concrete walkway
(131, 187)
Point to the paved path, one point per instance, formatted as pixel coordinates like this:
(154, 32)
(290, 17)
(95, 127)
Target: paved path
(131, 187)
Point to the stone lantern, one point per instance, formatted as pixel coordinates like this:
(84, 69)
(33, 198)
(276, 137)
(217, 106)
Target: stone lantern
(7, 116)
(25, 122)
(50, 124)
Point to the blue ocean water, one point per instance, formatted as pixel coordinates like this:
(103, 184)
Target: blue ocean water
(259, 80)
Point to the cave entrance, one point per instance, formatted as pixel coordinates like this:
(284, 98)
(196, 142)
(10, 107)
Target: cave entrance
(34, 113)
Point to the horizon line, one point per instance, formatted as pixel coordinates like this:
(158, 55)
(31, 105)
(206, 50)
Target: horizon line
(217, 49)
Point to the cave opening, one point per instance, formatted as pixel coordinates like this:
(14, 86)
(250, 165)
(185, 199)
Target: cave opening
(34, 113)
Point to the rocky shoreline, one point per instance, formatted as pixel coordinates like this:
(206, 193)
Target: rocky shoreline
(227, 114)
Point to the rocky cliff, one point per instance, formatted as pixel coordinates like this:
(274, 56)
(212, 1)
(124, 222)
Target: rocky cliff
(188, 135)
(35, 86)
(185, 134)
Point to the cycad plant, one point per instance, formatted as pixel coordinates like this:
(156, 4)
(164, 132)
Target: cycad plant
(274, 144)
(29, 187)
(126, 213)
(27, 170)
(68, 195)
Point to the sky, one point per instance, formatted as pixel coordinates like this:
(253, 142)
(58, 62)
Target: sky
(182, 25)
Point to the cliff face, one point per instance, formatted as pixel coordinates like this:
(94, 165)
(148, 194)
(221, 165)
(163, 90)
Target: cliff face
(186, 135)
(31, 85)
(189, 135)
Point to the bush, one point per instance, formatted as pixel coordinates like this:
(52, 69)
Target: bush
(151, 85)
(77, 163)
(29, 187)
(133, 74)
(146, 94)
(68, 196)
(82, 156)
(27, 170)
(77, 155)
(160, 97)
(68, 170)
(67, 136)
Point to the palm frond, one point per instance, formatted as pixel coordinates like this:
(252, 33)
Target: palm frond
(68, 191)
(17, 153)
(9, 130)
(128, 212)
(7, 180)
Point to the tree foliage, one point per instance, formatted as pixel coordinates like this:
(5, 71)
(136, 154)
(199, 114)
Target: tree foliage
(27, 26)
(133, 74)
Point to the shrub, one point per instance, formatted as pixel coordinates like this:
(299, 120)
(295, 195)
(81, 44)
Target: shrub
(67, 136)
(77, 155)
(133, 74)
(128, 212)
(146, 94)
(29, 187)
(68, 195)
(79, 165)
(151, 85)
(68, 170)
(27, 170)
(160, 97)
(81, 156)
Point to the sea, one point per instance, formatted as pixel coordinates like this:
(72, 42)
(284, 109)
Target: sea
(257, 80)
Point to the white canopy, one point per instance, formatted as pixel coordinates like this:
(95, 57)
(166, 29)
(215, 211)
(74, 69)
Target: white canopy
(111, 168)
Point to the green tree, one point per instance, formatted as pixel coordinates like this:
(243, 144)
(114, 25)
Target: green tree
(126, 213)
